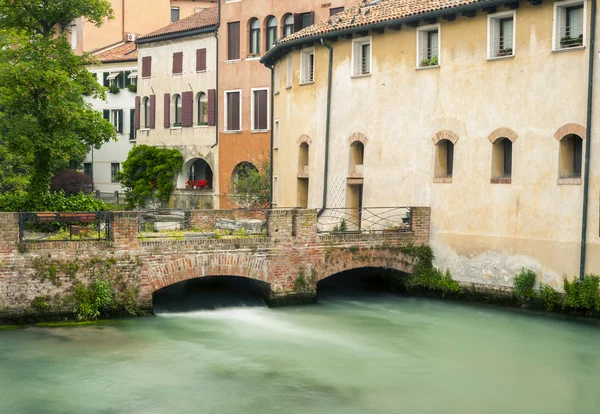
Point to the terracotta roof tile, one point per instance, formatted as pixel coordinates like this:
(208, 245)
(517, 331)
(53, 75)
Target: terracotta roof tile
(122, 53)
(368, 12)
(205, 18)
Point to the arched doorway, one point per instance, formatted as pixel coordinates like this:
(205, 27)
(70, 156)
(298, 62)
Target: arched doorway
(197, 173)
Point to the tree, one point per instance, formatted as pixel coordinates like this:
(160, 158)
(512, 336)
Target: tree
(251, 188)
(43, 116)
(71, 182)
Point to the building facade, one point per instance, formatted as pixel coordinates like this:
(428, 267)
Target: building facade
(247, 30)
(118, 73)
(475, 109)
(176, 103)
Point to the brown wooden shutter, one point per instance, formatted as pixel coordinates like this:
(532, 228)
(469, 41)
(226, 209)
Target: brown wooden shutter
(312, 18)
(260, 109)
(137, 112)
(187, 109)
(233, 40)
(177, 62)
(152, 111)
(233, 111)
(297, 22)
(211, 107)
(167, 110)
(146, 66)
(200, 59)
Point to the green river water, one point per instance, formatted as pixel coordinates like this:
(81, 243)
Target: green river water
(366, 354)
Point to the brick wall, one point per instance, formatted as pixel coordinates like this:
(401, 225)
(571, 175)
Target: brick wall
(9, 231)
(421, 218)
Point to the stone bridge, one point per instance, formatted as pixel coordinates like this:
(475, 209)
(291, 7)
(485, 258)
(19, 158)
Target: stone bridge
(38, 277)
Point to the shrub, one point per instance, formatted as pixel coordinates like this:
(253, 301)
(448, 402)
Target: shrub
(71, 182)
(251, 188)
(549, 297)
(51, 202)
(523, 284)
(426, 276)
(93, 298)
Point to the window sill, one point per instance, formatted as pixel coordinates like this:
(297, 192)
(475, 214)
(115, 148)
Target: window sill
(177, 74)
(233, 61)
(258, 131)
(175, 128)
(201, 126)
(427, 67)
(275, 148)
(442, 180)
(287, 88)
(366, 75)
(568, 49)
(201, 71)
(491, 59)
(569, 181)
(253, 58)
(232, 132)
(501, 180)
(306, 83)
(146, 77)
(144, 129)
(275, 93)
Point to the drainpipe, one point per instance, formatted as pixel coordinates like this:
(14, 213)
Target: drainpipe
(588, 141)
(123, 19)
(217, 81)
(271, 115)
(327, 122)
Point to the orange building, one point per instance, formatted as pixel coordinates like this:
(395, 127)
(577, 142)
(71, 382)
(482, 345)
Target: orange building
(247, 30)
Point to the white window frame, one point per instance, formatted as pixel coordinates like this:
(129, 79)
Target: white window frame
(304, 53)
(275, 199)
(421, 36)
(225, 111)
(276, 78)
(357, 45)
(112, 178)
(493, 20)
(276, 134)
(557, 24)
(114, 118)
(73, 36)
(290, 73)
(252, 126)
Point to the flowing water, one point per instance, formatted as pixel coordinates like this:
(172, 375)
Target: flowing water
(365, 354)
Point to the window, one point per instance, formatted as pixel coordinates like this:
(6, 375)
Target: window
(444, 159)
(146, 112)
(233, 40)
(288, 81)
(132, 124)
(501, 160)
(569, 17)
(275, 191)
(177, 112)
(307, 68)
(276, 77)
(260, 109)
(233, 115)
(306, 19)
(73, 36)
(88, 169)
(303, 159)
(501, 34)
(115, 167)
(357, 154)
(177, 63)
(570, 157)
(202, 105)
(361, 56)
(132, 78)
(336, 10)
(146, 66)
(276, 134)
(254, 47)
(200, 60)
(288, 24)
(174, 14)
(428, 46)
(116, 118)
(271, 32)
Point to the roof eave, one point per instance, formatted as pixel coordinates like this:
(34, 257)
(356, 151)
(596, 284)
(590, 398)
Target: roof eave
(176, 35)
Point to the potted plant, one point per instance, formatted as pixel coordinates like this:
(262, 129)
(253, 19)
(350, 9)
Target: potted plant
(430, 62)
(189, 184)
(113, 89)
(132, 88)
(507, 51)
(568, 41)
(253, 55)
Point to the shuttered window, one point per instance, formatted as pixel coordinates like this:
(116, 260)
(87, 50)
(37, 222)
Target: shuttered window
(211, 107)
(303, 20)
(307, 68)
(501, 34)
(260, 109)
(152, 112)
(177, 63)
(138, 104)
(167, 110)
(335, 10)
(233, 40)
(133, 121)
(200, 60)
(233, 108)
(187, 110)
(146, 66)
(361, 56)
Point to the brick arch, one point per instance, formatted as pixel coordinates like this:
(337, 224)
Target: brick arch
(503, 132)
(568, 129)
(357, 136)
(304, 138)
(365, 258)
(218, 264)
(445, 134)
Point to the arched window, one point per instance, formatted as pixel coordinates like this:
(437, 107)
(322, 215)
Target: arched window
(444, 159)
(177, 112)
(357, 150)
(200, 175)
(202, 109)
(288, 24)
(271, 32)
(254, 37)
(303, 159)
(570, 157)
(502, 158)
(146, 112)
(242, 170)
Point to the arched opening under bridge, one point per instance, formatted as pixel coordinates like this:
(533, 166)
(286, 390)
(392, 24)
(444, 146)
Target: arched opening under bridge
(361, 282)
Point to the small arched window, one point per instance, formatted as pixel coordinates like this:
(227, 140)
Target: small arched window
(357, 151)
(288, 24)
(570, 157)
(177, 112)
(202, 102)
(303, 159)
(271, 32)
(444, 159)
(254, 46)
(146, 112)
(502, 158)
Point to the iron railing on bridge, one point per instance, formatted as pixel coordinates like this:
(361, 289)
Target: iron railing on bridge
(365, 220)
(64, 226)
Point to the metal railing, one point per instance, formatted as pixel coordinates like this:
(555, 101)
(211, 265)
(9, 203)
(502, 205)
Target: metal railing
(365, 220)
(64, 226)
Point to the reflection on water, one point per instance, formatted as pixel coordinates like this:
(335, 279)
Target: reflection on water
(348, 354)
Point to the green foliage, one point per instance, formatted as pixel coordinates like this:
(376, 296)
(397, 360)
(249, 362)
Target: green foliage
(425, 275)
(549, 297)
(149, 172)
(132, 88)
(251, 187)
(582, 295)
(434, 61)
(304, 284)
(44, 120)
(93, 298)
(41, 303)
(523, 284)
(114, 89)
(14, 171)
(51, 202)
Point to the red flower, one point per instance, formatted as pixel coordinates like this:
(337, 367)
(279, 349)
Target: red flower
(202, 183)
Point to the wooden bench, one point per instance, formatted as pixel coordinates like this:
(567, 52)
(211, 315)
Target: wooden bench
(66, 217)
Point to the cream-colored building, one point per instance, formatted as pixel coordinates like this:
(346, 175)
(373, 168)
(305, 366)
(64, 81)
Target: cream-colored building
(476, 109)
(176, 102)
